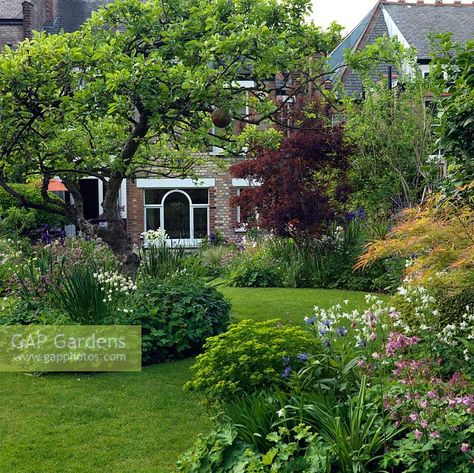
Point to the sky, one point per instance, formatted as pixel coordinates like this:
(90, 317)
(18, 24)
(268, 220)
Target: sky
(347, 13)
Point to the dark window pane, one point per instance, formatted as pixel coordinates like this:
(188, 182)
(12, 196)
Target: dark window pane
(154, 196)
(176, 209)
(200, 223)
(198, 196)
(89, 189)
(152, 219)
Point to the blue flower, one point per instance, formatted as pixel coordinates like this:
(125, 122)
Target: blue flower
(286, 360)
(323, 332)
(341, 331)
(303, 357)
(286, 372)
(349, 216)
(310, 320)
(361, 213)
(327, 323)
(326, 344)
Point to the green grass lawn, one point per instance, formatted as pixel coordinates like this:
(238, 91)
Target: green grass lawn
(290, 305)
(124, 422)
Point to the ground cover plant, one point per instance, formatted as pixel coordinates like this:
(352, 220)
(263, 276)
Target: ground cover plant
(374, 394)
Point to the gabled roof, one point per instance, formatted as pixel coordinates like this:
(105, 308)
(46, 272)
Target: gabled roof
(417, 22)
(71, 14)
(412, 23)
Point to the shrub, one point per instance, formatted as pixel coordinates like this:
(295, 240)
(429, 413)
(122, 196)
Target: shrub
(452, 307)
(176, 315)
(254, 271)
(248, 357)
(20, 221)
(27, 311)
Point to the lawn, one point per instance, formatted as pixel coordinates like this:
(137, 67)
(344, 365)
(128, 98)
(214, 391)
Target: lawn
(124, 422)
(290, 305)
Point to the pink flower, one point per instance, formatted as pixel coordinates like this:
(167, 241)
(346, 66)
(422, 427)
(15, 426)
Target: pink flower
(361, 363)
(418, 434)
(424, 404)
(465, 447)
(414, 416)
(373, 336)
(431, 394)
(376, 356)
(424, 424)
(435, 434)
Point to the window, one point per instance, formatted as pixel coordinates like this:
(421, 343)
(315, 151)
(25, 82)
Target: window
(183, 213)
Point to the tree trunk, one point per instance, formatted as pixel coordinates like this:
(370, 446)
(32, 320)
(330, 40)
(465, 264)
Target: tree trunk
(115, 234)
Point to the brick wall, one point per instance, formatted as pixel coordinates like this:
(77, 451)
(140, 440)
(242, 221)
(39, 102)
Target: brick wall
(10, 35)
(19, 18)
(222, 216)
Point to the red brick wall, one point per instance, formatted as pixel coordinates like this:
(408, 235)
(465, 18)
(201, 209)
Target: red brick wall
(222, 216)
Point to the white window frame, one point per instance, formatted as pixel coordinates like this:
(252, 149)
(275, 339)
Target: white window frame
(187, 242)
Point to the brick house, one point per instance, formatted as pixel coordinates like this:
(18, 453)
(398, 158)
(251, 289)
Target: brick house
(188, 210)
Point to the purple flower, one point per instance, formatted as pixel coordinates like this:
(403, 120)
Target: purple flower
(303, 357)
(341, 331)
(431, 394)
(286, 372)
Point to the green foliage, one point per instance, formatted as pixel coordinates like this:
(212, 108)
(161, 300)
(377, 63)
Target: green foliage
(254, 271)
(247, 358)
(453, 70)
(82, 297)
(17, 220)
(27, 311)
(326, 262)
(177, 315)
(392, 133)
(160, 261)
(139, 80)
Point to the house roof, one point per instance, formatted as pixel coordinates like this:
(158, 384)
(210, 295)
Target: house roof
(418, 22)
(10, 9)
(412, 23)
(71, 14)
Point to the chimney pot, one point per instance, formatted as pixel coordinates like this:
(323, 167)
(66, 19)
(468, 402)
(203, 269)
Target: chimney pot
(457, 3)
(401, 1)
(438, 2)
(420, 2)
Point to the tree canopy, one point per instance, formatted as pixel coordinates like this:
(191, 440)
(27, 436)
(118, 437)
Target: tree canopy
(132, 92)
(300, 186)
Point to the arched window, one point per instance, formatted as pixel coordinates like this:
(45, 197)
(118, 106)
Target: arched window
(183, 213)
(176, 210)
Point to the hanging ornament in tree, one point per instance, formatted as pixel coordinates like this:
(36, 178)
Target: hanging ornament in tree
(220, 118)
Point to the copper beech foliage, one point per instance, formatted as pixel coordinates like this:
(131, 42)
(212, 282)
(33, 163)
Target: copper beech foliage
(438, 237)
(301, 185)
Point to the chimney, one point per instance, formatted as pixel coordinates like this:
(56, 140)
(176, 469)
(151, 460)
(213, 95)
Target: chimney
(458, 3)
(438, 2)
(51, 10)
(27, 9)
(401, 1)
(420, 2)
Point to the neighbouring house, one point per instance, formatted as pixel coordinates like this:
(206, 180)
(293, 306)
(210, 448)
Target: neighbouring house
(189, 210)
(412, 23)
